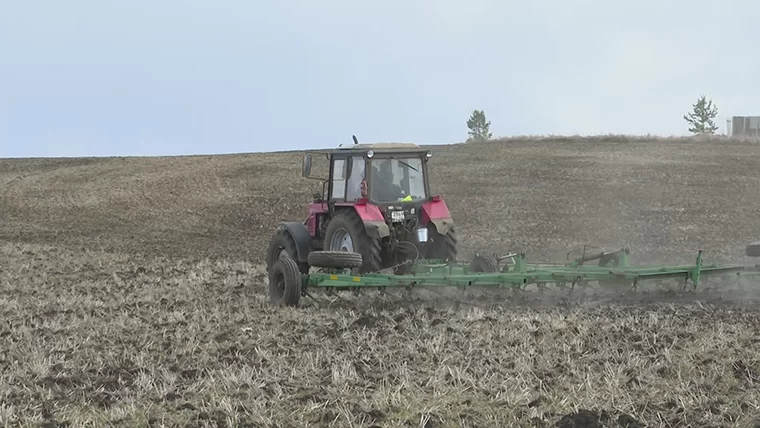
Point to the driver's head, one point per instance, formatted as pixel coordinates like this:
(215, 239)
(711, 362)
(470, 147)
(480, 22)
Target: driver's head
(382, 168)
(385, 167)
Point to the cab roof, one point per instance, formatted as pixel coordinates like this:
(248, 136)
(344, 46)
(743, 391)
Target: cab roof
(379, 147)
(382, 146)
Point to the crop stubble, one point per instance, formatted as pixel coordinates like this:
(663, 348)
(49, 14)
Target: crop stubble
(133, 291)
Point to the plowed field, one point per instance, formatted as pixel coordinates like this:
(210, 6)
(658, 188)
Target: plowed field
(133, 294)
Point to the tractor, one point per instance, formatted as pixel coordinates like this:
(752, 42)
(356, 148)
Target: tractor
(377, 203)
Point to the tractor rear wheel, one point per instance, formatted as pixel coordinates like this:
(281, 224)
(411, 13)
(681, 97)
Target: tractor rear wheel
(283, 245)
(346, 232)
(442, 246)
(285, 283)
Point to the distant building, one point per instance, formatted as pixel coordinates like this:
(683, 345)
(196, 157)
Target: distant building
(743, 125)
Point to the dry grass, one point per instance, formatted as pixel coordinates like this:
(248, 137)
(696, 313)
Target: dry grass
(133, 295)
(124, 341)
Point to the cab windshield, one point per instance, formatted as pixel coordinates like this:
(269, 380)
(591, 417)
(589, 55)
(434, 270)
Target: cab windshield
(396, 179)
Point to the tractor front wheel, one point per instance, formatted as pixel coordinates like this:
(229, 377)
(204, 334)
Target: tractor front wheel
(442, 246)
(346, 232)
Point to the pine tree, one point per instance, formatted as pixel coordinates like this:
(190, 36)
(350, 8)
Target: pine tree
(479, 126)
(701, 117)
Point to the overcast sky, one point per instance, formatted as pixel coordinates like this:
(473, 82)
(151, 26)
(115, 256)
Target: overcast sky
(142, 77)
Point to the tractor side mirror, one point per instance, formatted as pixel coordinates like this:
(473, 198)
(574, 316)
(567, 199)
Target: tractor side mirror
(349, 167)
(306, 166)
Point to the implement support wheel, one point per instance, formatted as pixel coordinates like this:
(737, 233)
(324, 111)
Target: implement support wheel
(281, 245)
(610, 260)
(484, 263)
(285, 282)
(753, 249)
(335, 259)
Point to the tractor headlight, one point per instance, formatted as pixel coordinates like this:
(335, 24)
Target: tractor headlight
(429, 154)
(397, 216)
(370, 153)
(422, 234)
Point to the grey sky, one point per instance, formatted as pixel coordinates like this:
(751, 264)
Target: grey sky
(181, 77)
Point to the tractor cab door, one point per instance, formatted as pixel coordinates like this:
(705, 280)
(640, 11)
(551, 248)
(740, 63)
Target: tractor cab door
(345, 185)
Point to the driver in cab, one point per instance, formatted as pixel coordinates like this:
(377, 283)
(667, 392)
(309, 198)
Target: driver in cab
(384, 187)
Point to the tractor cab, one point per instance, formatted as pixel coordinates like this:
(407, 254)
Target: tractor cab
(396, 177)
(382, 174)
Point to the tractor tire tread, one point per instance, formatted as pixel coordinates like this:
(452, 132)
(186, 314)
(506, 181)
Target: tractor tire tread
(368, 247)
(449, 245)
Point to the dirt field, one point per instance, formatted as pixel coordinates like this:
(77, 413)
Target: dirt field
(133, 294)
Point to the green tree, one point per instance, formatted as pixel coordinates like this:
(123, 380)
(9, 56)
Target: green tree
(480, 128)
(701, 117)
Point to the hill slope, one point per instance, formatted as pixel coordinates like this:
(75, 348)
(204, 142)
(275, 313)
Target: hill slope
(665, 198)
(128, 338)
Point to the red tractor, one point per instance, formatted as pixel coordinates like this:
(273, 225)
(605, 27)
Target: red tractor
(376, 202)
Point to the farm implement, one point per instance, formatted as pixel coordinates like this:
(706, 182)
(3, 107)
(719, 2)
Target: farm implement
(334, 273)
(377, 225)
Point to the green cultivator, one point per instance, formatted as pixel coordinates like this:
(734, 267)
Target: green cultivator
(334, 272)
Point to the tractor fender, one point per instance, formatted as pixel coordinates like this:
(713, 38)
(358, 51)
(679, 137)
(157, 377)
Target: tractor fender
(443, 225)
(436, 212)
(377, 229)
(374, 222)
(300, 235)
